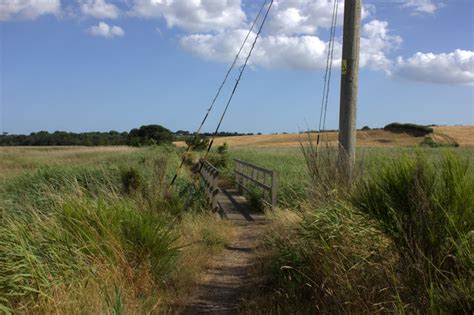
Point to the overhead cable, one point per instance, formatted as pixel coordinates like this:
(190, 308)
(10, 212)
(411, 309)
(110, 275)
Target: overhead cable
(196, 134)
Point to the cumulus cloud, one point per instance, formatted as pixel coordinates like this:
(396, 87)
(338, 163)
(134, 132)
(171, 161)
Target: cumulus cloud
(307, 16)
(296, 52)
(193, 15)
(455, 68)
(105, 30)
(421, 6)
(304, 52)
(27, 9)
(99, 9)
(376, 41)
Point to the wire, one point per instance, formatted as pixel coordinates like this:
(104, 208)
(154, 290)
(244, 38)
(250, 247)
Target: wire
(242, 69)
(196, 134)
(327, 75)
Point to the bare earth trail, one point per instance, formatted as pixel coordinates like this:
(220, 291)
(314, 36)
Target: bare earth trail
(228, 276)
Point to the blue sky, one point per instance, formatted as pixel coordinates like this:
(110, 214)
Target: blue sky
(83, 65)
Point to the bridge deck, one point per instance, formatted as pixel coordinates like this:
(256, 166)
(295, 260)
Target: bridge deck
(235, 207)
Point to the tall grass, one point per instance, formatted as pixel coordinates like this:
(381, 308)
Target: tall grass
(101, 238)
(427, 210)
(58, 222)
(399, 239)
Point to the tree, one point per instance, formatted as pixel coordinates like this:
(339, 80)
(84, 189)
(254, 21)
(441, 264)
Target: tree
(149, 135)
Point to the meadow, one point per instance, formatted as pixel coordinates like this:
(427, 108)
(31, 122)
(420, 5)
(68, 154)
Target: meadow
(98, 230)
(91, 230)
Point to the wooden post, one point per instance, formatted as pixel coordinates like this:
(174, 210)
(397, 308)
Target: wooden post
(349, 84)
(215, 190)
(274, 189)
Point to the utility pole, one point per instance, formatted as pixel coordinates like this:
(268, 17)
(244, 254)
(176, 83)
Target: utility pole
(349, 84)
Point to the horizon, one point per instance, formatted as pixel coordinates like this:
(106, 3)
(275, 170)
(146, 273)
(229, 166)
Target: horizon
(238, 133)
(101, 65)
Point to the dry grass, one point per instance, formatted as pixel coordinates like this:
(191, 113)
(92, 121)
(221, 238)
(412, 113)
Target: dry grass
(464, 135)
(18, 160)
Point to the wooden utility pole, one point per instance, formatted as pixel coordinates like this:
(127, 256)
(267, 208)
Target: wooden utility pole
(349, 83)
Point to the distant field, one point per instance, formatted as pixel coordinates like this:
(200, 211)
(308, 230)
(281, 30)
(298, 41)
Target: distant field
(17, 160)
(464, 135)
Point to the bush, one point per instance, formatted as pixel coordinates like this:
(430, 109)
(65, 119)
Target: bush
(198, 143)
(432, 143)
(413, 129)
(223, 149)
(221, 158)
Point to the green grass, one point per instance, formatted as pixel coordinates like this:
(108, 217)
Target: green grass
(104, 235)
(426, 208)
(100, 232)
(398, 239)
(293, 176)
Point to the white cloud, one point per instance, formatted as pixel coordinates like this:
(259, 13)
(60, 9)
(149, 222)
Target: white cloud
(375, 43)
(193, 15)
(99, 9)
(295, 52)
(421, 6)
(307, 16)
(305, 52)
(27, 9)
(105, 30)
(455, 68)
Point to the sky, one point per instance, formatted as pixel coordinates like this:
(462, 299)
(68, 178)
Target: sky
(100, 65)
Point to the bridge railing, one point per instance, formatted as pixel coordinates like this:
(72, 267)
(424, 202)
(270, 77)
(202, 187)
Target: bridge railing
(247, 173)
(209, 179)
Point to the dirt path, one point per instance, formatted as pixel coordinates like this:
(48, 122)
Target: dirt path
(227, 278)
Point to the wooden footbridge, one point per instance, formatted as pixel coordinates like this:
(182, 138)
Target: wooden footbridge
(231, 203)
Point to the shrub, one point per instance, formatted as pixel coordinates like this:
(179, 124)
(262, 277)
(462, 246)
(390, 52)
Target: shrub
(432, 143)
(198, 143)
(223, 149)
(413, 129)
(221, 158)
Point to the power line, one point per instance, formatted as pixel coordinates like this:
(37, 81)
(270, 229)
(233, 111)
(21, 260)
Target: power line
(242, 69)
(196, 134)
(327, 75)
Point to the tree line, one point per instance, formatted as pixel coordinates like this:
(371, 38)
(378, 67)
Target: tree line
(142, 136)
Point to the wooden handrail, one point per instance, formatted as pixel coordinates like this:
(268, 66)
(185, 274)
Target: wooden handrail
(246, 172)
(209, 178)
